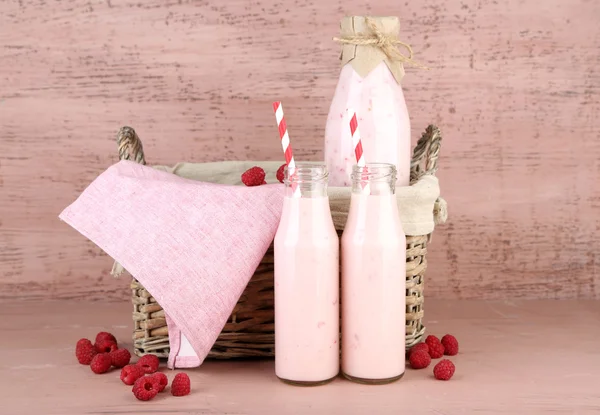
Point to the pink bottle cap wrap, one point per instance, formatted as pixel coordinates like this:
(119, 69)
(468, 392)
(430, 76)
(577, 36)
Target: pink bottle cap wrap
(194, 246)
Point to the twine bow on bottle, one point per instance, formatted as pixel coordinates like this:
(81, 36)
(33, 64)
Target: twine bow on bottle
(387, 43)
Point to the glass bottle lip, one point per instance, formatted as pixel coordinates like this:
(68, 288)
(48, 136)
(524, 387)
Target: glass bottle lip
(374, 172)
(307, 172)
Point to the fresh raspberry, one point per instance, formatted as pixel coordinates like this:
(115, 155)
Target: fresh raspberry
(443, 370)
(419, 347)
(131, 373)
(83, 342)
(180, 385)
(85, 351)
(280, 173)
(162, 380)
(149, 363)
(120, 357)
(253, 177)
(103, 335)
(419, 359)
(106, 346)
(450, 345)
(101, 363)
(430, 340)
(264, 182)
(436, 350)
(145, 388)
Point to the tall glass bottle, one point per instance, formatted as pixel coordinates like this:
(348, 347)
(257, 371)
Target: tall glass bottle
(373, 279)
(306, 281)
(369, 84)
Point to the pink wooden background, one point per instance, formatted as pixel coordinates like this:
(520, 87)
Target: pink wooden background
(514, 87)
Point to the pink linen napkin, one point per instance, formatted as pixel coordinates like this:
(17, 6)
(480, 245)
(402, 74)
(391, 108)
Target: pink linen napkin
(194, 246)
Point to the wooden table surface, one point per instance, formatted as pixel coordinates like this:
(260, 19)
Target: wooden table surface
(516, 357)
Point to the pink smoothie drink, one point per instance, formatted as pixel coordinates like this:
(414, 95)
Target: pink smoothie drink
(369, 87)
(373, 287)
(307, 288)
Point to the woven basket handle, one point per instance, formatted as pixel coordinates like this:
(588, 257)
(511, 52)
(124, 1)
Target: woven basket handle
(130, 145)
(426, 153)
(424, 161)
(130, 148)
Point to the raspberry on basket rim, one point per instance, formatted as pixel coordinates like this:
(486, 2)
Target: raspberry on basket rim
(120, 357)
(146, 388)
(149, 363)
(101, 363)
(419, 359)
(181, 385)
(281, 172)
(85, 351)
(444, 370)
(254, 176)
(131, 373)
(450, 345)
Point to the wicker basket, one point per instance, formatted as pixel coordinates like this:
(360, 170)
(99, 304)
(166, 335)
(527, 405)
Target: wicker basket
(249, 332)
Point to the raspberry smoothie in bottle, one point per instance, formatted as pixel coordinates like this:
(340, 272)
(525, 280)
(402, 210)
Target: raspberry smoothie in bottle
(373, 279)
(369, 82)
(306, 282)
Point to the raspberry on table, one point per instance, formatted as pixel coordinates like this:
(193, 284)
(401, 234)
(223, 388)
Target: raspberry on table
(180, 385)
(145, 388)
(419, 347)
(103, 335)
(120, 357)
(162, 379)
(444, 370)
(419, 359)
(450, 345)
(85, 351)
(83, 342)
(106, 346)
(254, 176)
(281, 173)
(149, 363)
(431, 340)
(101, 363)
(436, 350)
(131, 373)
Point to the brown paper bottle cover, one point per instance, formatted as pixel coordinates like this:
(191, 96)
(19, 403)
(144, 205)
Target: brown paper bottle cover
(364, 58)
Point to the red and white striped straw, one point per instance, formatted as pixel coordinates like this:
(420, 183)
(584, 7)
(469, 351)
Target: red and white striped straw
(285, 142)
(356, 142)
(285, 138)
(358, 150)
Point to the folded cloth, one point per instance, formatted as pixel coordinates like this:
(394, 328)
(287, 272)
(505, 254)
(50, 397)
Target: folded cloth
(420, 205)
(193, 245)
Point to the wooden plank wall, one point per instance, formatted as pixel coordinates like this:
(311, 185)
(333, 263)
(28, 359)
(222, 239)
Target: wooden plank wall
(514, 86)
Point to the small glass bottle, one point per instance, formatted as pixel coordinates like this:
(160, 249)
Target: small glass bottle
(373, 279)
(306, 281)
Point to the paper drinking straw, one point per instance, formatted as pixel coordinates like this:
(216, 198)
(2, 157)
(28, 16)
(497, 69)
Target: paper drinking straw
(357, 145)
(285, 144)
(356, 141)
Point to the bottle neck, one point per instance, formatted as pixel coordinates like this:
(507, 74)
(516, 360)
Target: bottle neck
(376, 179)
(367, 41)
(307, 180)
